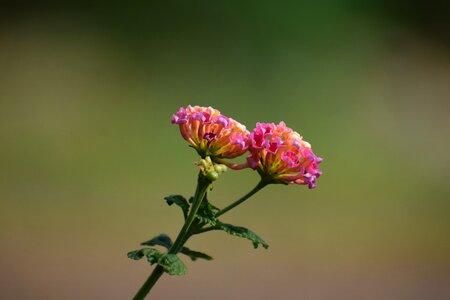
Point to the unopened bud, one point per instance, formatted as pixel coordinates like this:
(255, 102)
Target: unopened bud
(203, 164)
(210, 170)
(212, 175)
(220, 168)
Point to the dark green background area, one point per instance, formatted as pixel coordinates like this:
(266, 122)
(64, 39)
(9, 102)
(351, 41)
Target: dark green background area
(87, 151)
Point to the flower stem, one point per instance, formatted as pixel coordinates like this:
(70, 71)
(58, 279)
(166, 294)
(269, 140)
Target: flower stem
(202, 187)
(258, 187)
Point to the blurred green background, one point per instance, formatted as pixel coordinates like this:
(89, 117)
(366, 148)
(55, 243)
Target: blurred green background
(88, 152)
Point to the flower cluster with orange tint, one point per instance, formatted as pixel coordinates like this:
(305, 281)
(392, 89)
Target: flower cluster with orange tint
(280, 154)
(211, 133)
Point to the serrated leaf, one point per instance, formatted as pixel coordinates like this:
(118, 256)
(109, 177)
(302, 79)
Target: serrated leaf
(172, 264)
(136, 254)
(194, 255)
(207, 213)
(180, 201)
(160, 240)
(152, 254)
(243, 233)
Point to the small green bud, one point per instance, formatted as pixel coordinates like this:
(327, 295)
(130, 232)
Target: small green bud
(203, 164)
(220, 168)
(212, 175)
(210, 169)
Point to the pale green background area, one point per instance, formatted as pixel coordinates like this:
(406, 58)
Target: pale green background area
(88, 152)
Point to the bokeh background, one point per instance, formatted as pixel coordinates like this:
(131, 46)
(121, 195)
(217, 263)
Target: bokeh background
(87, 151)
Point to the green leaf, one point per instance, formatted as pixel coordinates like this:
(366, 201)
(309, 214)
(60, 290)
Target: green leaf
(207, 213)
(152, 255)
(243, 233)
(180, 201)
(160, 240)
(136, 254)
(194, 255)
(172, 264)
(165, 241)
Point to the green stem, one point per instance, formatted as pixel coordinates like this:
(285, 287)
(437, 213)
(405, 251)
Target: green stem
(258, 187)
(197, 230)
(149, 283)
(202, 187)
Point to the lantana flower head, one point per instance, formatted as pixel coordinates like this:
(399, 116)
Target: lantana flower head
(211, 133)
(281, 155)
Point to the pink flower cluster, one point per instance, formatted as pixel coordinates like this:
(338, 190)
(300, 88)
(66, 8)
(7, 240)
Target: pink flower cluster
(211, 133)
(278, 153)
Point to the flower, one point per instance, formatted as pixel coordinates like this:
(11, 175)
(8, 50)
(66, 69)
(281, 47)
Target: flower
(211, 133)
(281, 155)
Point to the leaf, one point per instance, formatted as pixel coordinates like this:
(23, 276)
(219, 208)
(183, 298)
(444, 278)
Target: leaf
(165, 241)
(194, 255)
(152, 255)
(160, 240)
(243, 233)
(136, 254)
(207, 213)
(180, 201)
(171, 263)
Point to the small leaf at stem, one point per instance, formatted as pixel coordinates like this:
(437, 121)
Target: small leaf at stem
(160, 240)
(243, 233)
(171, 263)
(194, 255)
(151, 254)
(135, 254)
(165, 241)
(207, 213)
(180, 201)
